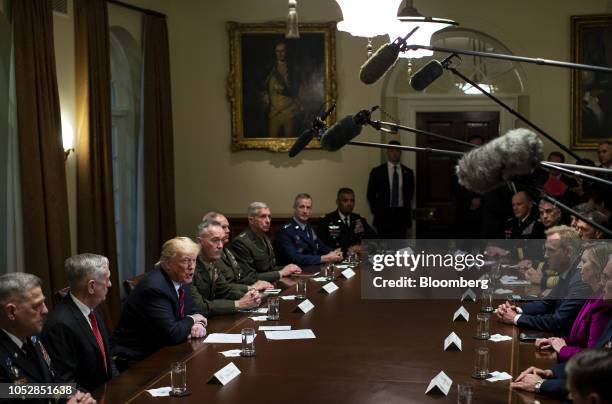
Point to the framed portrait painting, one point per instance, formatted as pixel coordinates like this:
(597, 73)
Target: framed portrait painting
(277, 86)
(591, 91)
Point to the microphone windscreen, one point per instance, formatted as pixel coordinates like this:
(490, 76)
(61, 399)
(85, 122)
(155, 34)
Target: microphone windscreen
(340, 133)
(426, 75)
(516, 153)
(378, 64)
(301, 142)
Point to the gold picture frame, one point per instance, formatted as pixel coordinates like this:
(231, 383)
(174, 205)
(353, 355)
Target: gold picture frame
(591, 95)
(277, 86)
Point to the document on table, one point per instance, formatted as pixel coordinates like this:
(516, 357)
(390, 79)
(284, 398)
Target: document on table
(293, 334)
(220, 338)
(160, 392)
(274, 328)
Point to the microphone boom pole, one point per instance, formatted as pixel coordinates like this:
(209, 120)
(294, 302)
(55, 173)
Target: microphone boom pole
(407, 148)
(546, 164)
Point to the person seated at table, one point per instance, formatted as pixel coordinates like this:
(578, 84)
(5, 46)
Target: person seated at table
(228, 265)
(23, 358)
(253, 248)
(342, 228)
(587, 231)
(75, 333)
(297, 243)
(211, 293)
(159, 311)
(595, 313)
(557, 312)
(552, 382)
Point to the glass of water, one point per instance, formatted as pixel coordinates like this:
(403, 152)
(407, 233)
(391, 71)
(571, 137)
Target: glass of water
(273, 308)
(465, 393)
(300, 288)
(487, 302)
(248, 342)
(178, 377)
(482, 324)
(481, 363)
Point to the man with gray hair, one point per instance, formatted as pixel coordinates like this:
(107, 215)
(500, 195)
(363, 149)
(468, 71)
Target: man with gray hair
(253, 248)
(587, 231)
(23, 358)
(75, 333)
(211, 293)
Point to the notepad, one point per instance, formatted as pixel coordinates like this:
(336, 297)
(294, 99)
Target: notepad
(221, 338)
(293, 334)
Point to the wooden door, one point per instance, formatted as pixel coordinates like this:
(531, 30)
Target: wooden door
(435, 173)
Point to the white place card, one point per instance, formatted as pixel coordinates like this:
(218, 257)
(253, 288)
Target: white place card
(231, 353)
(220, 338)
(452, 340)
(271, 291)
(305, 306)
(468, 295)
(348, 273)
(259, 318)
(330, 288)
(226, 374)
(293, 334)
(461, 313)
(274, 328)
(441, 383)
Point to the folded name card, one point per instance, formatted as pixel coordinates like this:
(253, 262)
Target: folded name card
(348, 273)
(225, 375)
(452, 341)
(439, 384)
(330, 288)
(304, 307)
(461, 314)
(468, 295)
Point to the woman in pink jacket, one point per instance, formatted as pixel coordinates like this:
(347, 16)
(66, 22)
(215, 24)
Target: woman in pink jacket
(595, 313)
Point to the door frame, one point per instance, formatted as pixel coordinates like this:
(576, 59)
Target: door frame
(409, 105)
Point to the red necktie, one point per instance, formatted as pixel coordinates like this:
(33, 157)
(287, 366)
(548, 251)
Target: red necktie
(181, 293)
(96, 333)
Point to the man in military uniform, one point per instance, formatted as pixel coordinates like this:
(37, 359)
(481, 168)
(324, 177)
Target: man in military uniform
(238, 275)
(23, 359)
(522, 225)
(296, 242)
(210, 292)
(253, 249)
(342, 228)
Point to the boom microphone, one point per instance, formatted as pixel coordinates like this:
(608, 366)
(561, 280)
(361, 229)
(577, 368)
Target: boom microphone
(383, 59)
(317, 124)
(345, 130)
(514, 154)
(429, 73)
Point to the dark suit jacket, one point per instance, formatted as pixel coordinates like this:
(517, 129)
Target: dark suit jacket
(73, 348)
(557, 312)
(379, 191)
(346, 236)
(150, 318)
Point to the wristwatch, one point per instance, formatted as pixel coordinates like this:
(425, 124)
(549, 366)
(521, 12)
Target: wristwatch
(538, 385)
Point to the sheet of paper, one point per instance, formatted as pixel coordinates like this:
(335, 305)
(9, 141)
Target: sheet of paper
(503, 291)
(442, 382)
(271, 291)
(499, 337)
(452, 339)
(320, 279)
(274, 328)
(293, 334)
(261, 310)
(221, 338)
(288, 297)
(227, 373)
(259, 318)
(499, 376)
(231, 353)
(160, 392)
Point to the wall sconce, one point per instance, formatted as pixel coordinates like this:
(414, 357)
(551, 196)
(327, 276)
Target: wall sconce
(67, 137)
(293, 31)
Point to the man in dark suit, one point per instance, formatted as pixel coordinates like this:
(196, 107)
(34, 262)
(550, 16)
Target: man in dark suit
(74, 333)
(342, 228)
(390, 191)
(297, 243)
(557, 312)
(159, 311)
(23, 358)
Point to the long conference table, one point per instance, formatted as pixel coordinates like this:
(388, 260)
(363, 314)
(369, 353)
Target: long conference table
(365, 351)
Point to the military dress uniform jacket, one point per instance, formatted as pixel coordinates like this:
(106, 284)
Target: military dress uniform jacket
(297, 246)
(232, 271)
(345, 236)
(17, 367)
(255, 256)
(211, 293)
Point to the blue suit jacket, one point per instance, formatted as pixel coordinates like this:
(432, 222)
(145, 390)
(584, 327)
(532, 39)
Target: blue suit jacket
(150, 318)
(557, 312)
(294, 246)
